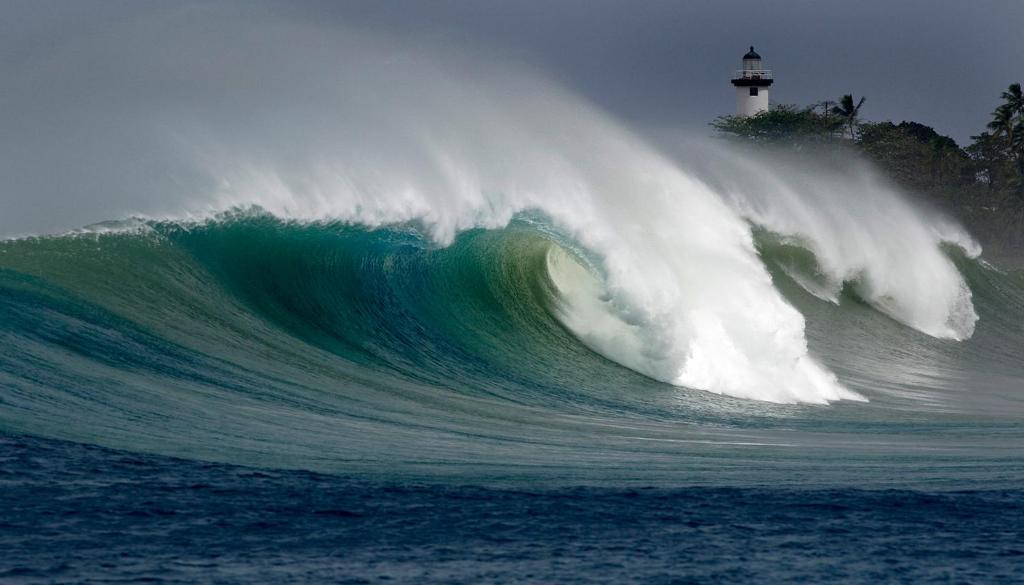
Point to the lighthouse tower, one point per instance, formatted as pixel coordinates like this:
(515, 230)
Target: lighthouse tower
(752, 83)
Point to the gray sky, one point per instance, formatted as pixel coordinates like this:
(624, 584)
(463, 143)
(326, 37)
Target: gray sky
(661, 63)
(79, 79)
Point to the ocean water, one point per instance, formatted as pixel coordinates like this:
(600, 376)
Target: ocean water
(253, 399)
(76, 513)
(409, 318)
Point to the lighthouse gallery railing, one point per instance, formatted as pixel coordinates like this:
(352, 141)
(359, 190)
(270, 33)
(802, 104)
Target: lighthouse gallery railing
(752, 74)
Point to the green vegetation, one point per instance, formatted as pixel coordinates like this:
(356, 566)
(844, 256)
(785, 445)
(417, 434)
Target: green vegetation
(787, 125)
(982, 183)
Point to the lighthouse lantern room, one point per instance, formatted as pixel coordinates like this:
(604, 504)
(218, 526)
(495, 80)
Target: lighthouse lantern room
(752, 83)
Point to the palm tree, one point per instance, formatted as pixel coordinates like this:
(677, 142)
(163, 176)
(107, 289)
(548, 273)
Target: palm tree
(1002, 122)
(1014, 98)
(1008, 121)
(846, 109)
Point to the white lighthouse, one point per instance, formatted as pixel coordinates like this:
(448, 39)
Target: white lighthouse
(752, 83)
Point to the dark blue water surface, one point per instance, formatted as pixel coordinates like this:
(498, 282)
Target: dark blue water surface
(76, 513)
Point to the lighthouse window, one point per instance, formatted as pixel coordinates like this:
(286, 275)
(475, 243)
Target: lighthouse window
(753, 91)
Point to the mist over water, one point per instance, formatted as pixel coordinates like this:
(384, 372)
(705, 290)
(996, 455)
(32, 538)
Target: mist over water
(363, 255)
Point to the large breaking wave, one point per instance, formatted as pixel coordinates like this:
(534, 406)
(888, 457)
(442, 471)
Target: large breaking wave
(380, 269)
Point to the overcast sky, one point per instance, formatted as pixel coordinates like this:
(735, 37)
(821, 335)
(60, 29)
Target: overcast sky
(940, 62)
(658, 66)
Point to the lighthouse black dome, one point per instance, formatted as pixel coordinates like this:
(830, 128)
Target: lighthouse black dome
(751, 54)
